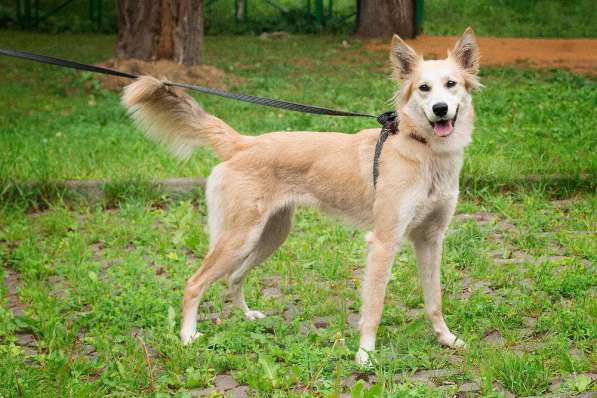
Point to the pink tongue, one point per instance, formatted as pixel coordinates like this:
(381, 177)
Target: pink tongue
(443, 128)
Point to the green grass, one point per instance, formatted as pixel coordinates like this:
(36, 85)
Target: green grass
(111, 278)
(527, 18)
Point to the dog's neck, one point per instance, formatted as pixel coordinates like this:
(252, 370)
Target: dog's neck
(417, 136)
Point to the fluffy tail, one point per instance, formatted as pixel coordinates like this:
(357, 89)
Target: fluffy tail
(173, 118)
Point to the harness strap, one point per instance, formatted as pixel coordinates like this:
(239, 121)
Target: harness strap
(389, 122)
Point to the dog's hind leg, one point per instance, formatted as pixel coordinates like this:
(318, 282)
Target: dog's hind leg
(274, 234)
(230, 250)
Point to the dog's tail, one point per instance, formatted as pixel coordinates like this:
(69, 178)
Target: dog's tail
(175, 119)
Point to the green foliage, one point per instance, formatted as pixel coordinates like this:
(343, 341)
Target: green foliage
(528, 18)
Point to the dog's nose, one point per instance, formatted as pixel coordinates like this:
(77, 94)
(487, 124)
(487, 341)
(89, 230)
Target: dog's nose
(440, 109)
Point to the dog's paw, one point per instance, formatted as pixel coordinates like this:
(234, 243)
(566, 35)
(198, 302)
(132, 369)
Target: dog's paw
(452, 342)
(362, 358)
(190, 337)
(253, 315)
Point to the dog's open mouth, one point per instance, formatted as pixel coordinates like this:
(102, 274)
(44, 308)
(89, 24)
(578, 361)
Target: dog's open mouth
(444, 128)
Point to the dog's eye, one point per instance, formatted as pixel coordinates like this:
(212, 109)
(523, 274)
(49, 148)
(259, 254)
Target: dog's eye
(450, 83)
(424, 87)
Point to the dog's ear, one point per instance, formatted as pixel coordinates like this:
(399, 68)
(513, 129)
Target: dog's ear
(403, 57)
(466, 52)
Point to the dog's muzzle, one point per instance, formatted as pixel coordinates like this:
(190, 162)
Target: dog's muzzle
(445, 127)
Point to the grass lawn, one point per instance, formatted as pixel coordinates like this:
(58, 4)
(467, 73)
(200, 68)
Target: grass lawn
(90, 303)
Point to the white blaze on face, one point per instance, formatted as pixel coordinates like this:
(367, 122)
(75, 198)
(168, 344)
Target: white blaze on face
(440, 84)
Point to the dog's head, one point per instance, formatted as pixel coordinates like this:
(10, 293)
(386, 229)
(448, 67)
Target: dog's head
(436, 94)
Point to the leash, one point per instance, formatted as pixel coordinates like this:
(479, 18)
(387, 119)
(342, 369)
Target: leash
(388, 120)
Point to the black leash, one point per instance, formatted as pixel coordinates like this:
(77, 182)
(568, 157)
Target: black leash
(388, 120)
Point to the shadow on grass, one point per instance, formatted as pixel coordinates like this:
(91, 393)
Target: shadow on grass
(36, 196)
(554, 186)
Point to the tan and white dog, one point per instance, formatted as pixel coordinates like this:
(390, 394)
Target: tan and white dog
(252, 194)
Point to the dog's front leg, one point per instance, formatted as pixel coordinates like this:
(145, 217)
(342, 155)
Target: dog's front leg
(391, 222)
(429, 254)
(377, 274)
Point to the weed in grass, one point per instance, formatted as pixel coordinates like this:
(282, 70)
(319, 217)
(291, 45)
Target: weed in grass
(524, 375)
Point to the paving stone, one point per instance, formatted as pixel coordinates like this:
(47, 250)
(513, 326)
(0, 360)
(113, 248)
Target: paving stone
(322, 322)
(13, 283)
(353, 320)
(556, 384)
(456, 360)
(351, 380)
(544, 259)
(529, 321)
(431, 377)
(225, 382)
(507, 261)
(562, 203)
(415, 313)
(213, 316)
(89, 351)
(587, 263)
(353, 305)
(433, 374)
(271, 281)
(526, 282)
(469, 286)
(202, 392)
(239, 392)
(291, 312)
(27, 342)
(505, 226)
(526, 332)
(498, 387)
(271, 293)
(588, 394)
(499, 254)
(576, 353)
(305, 328)
(494, 337)
(516, 257)
(530, 346)
(358, 273)
(469, 387)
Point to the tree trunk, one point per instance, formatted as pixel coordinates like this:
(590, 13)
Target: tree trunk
(161, 29)
(382, 18)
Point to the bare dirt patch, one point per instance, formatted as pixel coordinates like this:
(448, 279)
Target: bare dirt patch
(202, 75)
(577, 55)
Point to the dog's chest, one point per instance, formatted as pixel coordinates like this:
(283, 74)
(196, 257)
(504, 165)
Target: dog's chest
(441, 190)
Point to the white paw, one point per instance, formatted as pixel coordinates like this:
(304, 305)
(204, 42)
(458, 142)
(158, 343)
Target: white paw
(452, 341)
(253, 315)
(362, 358)
(188, 338)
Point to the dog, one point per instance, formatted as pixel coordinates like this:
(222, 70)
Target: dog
(252, 194)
